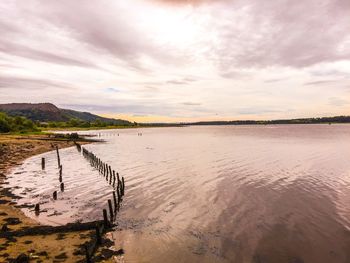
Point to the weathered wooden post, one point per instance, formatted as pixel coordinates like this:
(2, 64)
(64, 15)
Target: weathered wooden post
(54, 195)
(62, 187)
(98, 235)
(123, 185)
(43, 163)
(110, 178)
(119, 197)
(115, 201)
(118, 180)
(110, 170)
(113, 179)
(58, 157)
(110, 209)
(87, 254)
(105, 219)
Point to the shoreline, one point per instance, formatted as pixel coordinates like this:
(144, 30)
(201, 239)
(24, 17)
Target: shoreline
(60, 247)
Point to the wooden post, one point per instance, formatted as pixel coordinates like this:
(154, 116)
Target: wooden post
(37, 209)
(54, 195)
(110, 178)
(110, 209)
(119, 197)
(110, 170)
(43, 163)
(62, 187)
(115, 201)
(118, 180)
(123, 185)
(88, 259)
(105, 219)
(58, 157)
(113, 179)
(98, 235)
(60, 178)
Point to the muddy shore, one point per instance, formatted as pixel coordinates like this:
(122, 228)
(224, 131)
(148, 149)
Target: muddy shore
(58, 247)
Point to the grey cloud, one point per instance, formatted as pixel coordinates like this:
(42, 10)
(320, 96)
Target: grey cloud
(177, 82)
(97, 27)
(338, 102)
(284, 32)
(182, 81)
(192, 103)
(28, 52)
(233, 74)
(321, 82)
(104, 27)
(274, 80)
(21, 83)
(257, 110)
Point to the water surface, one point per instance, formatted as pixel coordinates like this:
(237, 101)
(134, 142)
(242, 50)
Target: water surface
(278, 193)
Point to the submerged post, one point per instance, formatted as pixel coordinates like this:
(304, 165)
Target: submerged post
(123, 185)
(113, 179)
(110, 178)
(54, 195)
(62, 187)
(115, 201)
(110, 209)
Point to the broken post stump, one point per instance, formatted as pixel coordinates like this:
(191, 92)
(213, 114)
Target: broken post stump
(43, 163)
(37, 209)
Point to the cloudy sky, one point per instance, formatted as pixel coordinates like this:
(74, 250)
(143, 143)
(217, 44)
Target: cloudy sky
(172, 60)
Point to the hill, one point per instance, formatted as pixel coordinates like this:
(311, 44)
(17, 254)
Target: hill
(48, 112)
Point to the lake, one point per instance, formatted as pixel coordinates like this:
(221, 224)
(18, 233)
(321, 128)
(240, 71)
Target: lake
(274, 193)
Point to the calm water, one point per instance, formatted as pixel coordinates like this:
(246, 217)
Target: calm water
(210, 194)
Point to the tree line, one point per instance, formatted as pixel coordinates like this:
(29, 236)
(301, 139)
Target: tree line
(16, 124)
(9, 124)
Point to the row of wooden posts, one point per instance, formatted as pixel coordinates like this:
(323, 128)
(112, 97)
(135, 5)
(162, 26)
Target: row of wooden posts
(113, 179)
(54, 194)
(118, 185)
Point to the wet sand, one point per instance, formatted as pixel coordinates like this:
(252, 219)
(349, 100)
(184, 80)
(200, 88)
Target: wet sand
(40, 248)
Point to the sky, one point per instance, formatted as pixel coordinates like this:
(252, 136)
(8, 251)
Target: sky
(178, 60)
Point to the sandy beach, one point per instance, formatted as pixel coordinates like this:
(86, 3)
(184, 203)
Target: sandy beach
(61, 247)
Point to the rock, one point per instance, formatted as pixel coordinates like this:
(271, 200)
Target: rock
(4, 228)
(13, 221)
(22, 258)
